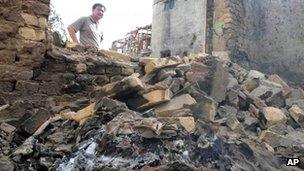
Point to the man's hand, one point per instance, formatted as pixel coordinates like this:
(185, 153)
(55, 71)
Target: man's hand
(73, 35)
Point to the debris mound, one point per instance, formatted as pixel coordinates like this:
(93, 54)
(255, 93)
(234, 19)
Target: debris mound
(178, 113)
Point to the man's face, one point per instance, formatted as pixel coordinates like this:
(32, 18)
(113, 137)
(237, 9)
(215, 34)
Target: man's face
(98, 12)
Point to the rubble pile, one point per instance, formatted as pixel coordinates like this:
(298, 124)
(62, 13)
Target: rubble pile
(200, 113)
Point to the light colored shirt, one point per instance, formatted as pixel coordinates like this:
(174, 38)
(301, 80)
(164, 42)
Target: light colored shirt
(90, 31)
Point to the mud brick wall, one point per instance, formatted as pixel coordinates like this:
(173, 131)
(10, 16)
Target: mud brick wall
(63, 76)
(23, 40)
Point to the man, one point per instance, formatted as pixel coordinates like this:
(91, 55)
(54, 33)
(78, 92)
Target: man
(89, 28)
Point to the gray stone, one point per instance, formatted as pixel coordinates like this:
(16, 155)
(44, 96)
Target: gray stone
(46, 161)
(219, 82)
(27, 88)
(165, 73)
(14, 112)
(232, 82)
(6, 164)
(226, 111)
(113, 70)
(298, 102)
(126, 71)
(255, 74)
(232, 122)
(81, 68)
(116, 78)
(101, 80)
(233, 98)
(251, 123)
(205, 109)
(175, 85)
(34, 122)
(6, 86)
(7, 128)
(271, 116)
(26, 148)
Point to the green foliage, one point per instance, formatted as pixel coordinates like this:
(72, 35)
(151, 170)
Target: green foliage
(55, 24)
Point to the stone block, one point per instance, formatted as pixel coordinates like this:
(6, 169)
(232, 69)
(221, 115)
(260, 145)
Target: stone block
(255, 74)
(198, 71)
(85, 79)
(42, 22)
(40, 35)
(127, 71)
(174, 104)
(32, 34)
(7, 56)
(96, 69)
(275, 78)
(219, 82)
(232, 122)
(50, 88)
(30, 20)
(6, 86)
(165, 73)
(121, 88)
(12, 73)
(101, 80)
(297, 114)
(6, 164)
(205, 109)
(153, 98)
(81, 68)
(33, 123)
(116, 78)
(113, 70)
(27, 33)
(8, 28)
(13, 112)
(36, 7)
(271, 116)
(298, 102)
(154, 64)
(11, 44)
(187, 122)
(114, 55)
(27, 88)
(273, 139)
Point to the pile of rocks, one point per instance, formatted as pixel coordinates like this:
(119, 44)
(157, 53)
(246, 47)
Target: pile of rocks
(179, 114)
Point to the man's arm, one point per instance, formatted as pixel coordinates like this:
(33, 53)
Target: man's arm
(73, 34)
(75, 27)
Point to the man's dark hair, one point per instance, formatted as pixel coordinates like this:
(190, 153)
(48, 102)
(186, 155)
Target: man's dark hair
(99, 5)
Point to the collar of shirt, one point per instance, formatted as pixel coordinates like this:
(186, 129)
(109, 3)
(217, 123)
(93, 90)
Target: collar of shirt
(96, 22)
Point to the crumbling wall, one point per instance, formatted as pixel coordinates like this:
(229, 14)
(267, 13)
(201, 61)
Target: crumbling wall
(23, 42)
(65, 76)
(265, 35)
(175, 27)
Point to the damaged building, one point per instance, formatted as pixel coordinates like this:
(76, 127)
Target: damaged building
(77, 108)
(266, 35)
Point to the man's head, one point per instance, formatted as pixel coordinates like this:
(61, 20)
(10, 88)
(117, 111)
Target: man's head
(97, 11)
